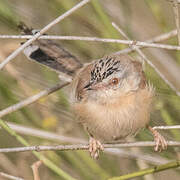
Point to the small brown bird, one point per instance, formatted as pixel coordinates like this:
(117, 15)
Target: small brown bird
(110, 96)
(113, 101)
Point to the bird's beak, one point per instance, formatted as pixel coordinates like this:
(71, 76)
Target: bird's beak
(94, 86)
(88, 86)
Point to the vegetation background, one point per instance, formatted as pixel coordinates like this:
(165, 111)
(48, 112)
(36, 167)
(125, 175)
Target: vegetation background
(141, 20)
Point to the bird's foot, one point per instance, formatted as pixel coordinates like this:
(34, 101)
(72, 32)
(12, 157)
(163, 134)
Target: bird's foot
(160, 142)
(95, 147)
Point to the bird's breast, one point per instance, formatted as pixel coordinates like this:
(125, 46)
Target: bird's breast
(117, 120)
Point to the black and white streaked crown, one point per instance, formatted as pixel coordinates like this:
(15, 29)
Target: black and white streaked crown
(104, 68)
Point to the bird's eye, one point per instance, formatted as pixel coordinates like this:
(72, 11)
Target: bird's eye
(115, 81)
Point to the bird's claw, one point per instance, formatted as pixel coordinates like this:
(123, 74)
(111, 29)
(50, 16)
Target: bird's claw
(160, 142)
(95, 147)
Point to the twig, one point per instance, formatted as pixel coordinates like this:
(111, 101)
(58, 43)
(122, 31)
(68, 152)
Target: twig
(167, 127)
(148, 61)
(156, 160)
(31, 99)
(42, 31)
(156, 39)
(176, 16)
(35, 168)
(143, 172)
(120, 30)
(84, 146)
(10, 176)
(108, 40)
(126, 37)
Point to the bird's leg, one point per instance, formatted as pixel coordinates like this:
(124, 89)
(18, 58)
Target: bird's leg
(95, 147)
(160, 142)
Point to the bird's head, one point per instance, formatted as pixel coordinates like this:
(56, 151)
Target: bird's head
(112, 77)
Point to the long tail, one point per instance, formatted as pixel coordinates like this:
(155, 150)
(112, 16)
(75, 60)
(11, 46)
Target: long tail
(50, 54)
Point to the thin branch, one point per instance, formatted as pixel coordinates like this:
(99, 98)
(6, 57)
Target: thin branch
(35, 168)
(126, 37)
(156, 39)
(148, 61)
(120, 30)
(97, 39)
(167, 127)
(155, 159)
(42, 31)
(31, 99)
(84, 146)
(176, 16)
(66, 139)
(10, 176)
(152, 170)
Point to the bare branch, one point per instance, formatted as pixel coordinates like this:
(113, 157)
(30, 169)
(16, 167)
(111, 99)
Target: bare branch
(84, 146)
(10, 176)
(31, 99)
(126, 37)
(97, 39)
(167, 127)
(35, 168)
(156, 39)
(155, 159)
(42, 31)
(120, 30)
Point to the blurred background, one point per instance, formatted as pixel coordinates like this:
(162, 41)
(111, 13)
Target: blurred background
(140, 20)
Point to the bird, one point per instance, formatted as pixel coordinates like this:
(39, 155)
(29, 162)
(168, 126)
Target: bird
(110, 96)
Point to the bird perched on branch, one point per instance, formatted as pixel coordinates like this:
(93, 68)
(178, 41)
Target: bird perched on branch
(110, 96)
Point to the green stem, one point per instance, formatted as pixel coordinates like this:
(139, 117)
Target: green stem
(46, 161)
(143, 172)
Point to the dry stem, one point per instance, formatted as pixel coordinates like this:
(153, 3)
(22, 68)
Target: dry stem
(35, 168)
(95, 39)
(84, 146)
(31, 99)
(10, 176)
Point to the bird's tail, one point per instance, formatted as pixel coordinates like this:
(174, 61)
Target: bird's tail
(51, 54)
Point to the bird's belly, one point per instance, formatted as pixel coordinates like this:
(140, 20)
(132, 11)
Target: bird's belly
(109, 124)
